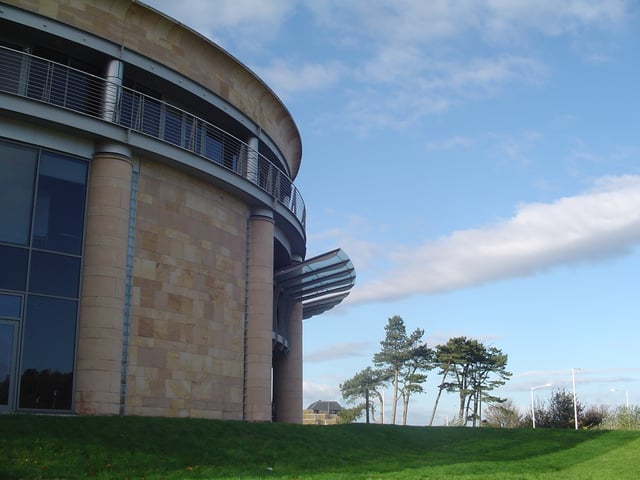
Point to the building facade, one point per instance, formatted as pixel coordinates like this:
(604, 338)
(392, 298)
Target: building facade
(152, 241)
(322, 412)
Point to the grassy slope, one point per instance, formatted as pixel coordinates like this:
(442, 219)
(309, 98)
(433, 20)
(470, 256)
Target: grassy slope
(156, 448)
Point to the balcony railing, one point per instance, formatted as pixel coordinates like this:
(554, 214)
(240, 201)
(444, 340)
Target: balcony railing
(43, 80)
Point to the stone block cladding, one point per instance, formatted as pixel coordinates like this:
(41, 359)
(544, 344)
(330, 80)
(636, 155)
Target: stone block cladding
(98, 362)
(187, 312)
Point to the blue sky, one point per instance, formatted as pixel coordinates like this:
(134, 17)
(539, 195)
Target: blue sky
(479, 163)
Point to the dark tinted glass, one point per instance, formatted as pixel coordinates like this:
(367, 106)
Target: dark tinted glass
(59, 217)
(151, 112)
(6, 355)
(173, 126)
(13, 268)
(212, 146)
(39, 78)
(47, 361)
(17, 175)
(10, 306)
(53, 274)
(11, 66)
(129, 107)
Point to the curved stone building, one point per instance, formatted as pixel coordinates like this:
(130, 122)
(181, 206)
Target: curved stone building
(152, 241)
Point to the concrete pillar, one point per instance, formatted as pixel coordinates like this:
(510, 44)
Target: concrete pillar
(100, 329)
(259, 318)
(288, 373)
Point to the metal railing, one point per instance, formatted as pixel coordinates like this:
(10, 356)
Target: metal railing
(43, 80)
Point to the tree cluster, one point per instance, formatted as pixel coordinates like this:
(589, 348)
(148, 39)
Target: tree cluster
(622, 418)
(559, 412)
(467, 367)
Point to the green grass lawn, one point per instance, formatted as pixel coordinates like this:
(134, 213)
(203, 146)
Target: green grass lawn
(68, 447)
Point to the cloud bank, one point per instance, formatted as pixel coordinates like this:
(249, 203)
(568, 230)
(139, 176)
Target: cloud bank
(599, 224)
(338, 351)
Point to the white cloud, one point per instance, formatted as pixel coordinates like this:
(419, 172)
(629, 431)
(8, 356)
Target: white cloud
(428, 73)
(353, 239)
(485, 73)
(457, 141)
(405, 59)
(522, 382)
(602, 223)
(411, 22)
(313, 391)
(338, 351)
(287, 78)
(397, 90)
(224, 21)
(414, 59)
(516, 148)
(505, 17)
(226, 14)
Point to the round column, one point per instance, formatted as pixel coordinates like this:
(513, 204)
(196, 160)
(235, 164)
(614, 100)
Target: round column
(288, 373)
(100, 330)
(259, 318)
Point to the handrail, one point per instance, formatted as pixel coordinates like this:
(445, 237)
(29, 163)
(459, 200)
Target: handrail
(37, 78)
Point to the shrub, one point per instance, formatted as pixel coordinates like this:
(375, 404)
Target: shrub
(622, 418)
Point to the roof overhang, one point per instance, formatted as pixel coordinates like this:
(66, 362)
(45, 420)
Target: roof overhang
(320, 283)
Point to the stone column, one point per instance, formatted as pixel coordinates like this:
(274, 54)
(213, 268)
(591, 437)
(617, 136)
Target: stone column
(288, 373)
(100, 329)
(259, 318)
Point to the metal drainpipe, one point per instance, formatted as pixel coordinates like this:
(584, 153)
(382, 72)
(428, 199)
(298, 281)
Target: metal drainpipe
(245, 321)
(126, 317)
(112, 89)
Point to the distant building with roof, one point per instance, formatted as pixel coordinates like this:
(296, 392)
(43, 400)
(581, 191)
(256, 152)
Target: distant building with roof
(152, 239)
(321, 412)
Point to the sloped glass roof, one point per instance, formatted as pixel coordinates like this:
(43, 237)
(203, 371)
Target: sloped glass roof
(320, 283)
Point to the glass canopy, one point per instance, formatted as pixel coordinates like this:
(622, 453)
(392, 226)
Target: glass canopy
(320, 283)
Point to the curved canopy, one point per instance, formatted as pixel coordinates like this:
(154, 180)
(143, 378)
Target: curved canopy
(320, 283)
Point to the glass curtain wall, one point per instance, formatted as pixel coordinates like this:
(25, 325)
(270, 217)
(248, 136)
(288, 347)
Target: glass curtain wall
(41, 238)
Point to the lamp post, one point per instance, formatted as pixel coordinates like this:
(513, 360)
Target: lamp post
(575, 403)
(626, 395)
(533, 406)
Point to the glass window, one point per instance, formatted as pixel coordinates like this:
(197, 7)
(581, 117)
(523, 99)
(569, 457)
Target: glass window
(13, 268)
(48, 80)
(46, 378)
(10, 306)
(41, 238)
(6, 358)
(173, 126)
(129, 107)
(59, 215)
(57, 86)
(230, 159)
(53, 274)
(38, 79)
(76, 85)
(212, 145)
(17, 174)
(11, 67)
(192, 134)
(83, 87)
(151, 113)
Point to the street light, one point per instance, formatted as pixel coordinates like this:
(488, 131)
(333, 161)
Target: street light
(575, 403)
(533, 407)
(626, 394)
